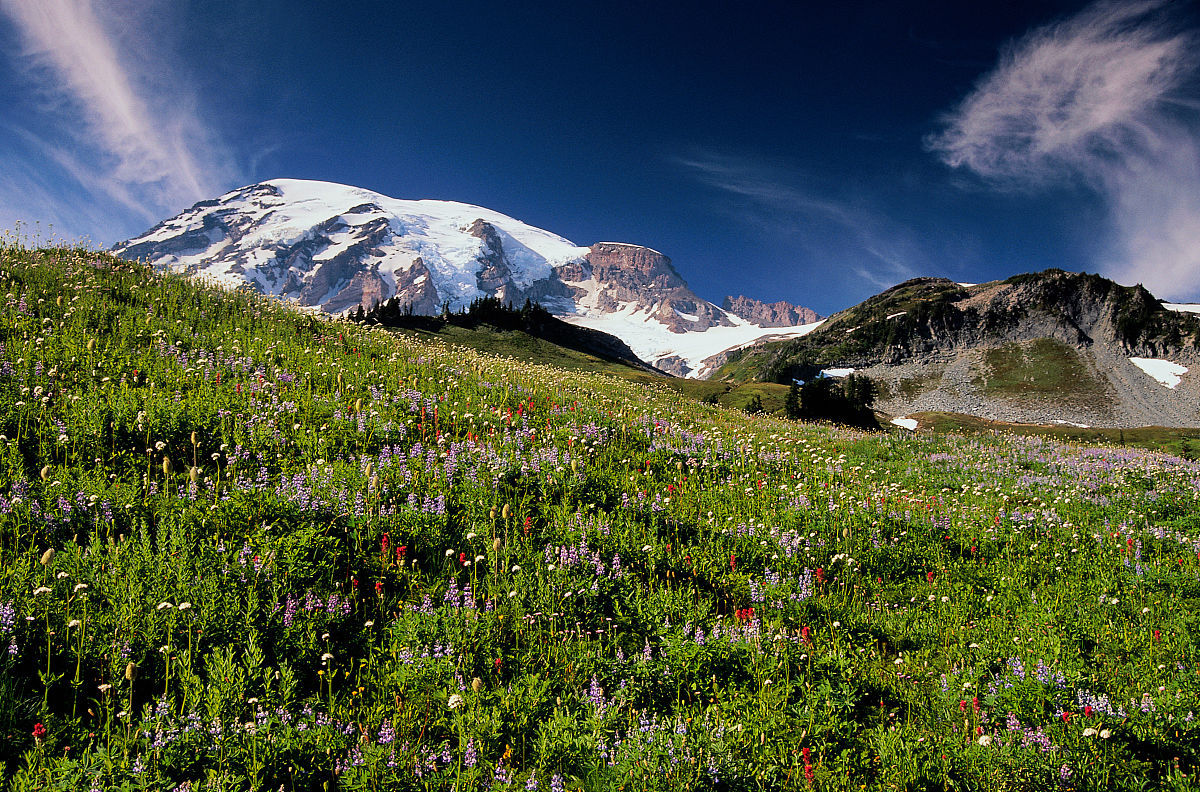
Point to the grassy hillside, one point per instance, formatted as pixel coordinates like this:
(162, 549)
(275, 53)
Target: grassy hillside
(244, 548)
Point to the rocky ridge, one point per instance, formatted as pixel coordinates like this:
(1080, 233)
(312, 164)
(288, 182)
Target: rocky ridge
(1036, 348)
(764, 314)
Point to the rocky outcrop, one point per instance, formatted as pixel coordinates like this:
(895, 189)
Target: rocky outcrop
(494, 276)
(763, 314)
(632, 274)
(415, 290)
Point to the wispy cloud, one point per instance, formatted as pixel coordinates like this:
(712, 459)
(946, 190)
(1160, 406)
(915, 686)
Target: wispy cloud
(838, 231)
(126, 126)
(1097, 100)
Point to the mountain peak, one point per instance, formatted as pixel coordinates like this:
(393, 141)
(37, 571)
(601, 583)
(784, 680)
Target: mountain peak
(338, 247)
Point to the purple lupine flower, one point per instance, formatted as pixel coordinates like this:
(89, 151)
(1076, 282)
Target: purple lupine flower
(470, 757)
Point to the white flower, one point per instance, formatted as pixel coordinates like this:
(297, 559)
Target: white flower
(550, 568)
(1089, 732)
(449, 553)
(470, 536)
(40, 590)
(162, 605)
(1145, 610)
(185, 606)
(985, 740)
(61, 575)
(105, 687)
(370, 623)
(512, 593)
(516, 568)
(79, 587)
(478, 558)
(325, 658)
(646, 548)
(74, 623)
(455, 701)
(1105, 734)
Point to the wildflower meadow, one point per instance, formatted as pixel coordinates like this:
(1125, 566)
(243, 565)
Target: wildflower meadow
(244, 547)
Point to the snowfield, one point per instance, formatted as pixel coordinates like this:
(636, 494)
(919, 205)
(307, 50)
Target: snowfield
(1164, 371)
(652, 341)
(1185, 307)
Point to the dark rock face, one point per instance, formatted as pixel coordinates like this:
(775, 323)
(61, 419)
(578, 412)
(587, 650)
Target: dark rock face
(415, 289)
(494, 276)
(673, 365)
(776, 314)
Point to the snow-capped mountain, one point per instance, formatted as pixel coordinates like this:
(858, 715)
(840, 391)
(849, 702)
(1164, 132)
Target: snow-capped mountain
(338, 247)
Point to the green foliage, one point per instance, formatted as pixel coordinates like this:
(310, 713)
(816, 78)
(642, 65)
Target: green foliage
(791, 407)
(847, 401)
(246, 548)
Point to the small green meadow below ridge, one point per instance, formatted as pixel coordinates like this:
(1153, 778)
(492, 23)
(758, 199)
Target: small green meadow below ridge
(244, 547)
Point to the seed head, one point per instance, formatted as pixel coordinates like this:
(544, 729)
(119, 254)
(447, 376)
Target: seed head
(131, 671)
(48, 556)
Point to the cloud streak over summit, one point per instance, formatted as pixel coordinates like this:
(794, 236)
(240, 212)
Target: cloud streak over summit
(1094, 101)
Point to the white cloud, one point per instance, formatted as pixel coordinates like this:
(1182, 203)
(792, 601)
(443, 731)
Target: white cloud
(128, 130)
(1099, 99)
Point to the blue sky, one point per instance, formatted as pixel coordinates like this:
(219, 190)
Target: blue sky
(816, 153)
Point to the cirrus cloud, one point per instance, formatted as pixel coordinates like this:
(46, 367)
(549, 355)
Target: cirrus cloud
(1099, 100)
(117, 120)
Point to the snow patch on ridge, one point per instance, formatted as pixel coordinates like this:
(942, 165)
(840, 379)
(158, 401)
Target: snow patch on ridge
(1164, 371)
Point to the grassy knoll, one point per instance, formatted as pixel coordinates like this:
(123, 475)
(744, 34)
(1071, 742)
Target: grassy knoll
(244, 548)
(1043, 368)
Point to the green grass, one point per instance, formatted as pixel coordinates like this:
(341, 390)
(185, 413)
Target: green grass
(1043, 368)
(522, 346)
(1181, 442)
(245, 548)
